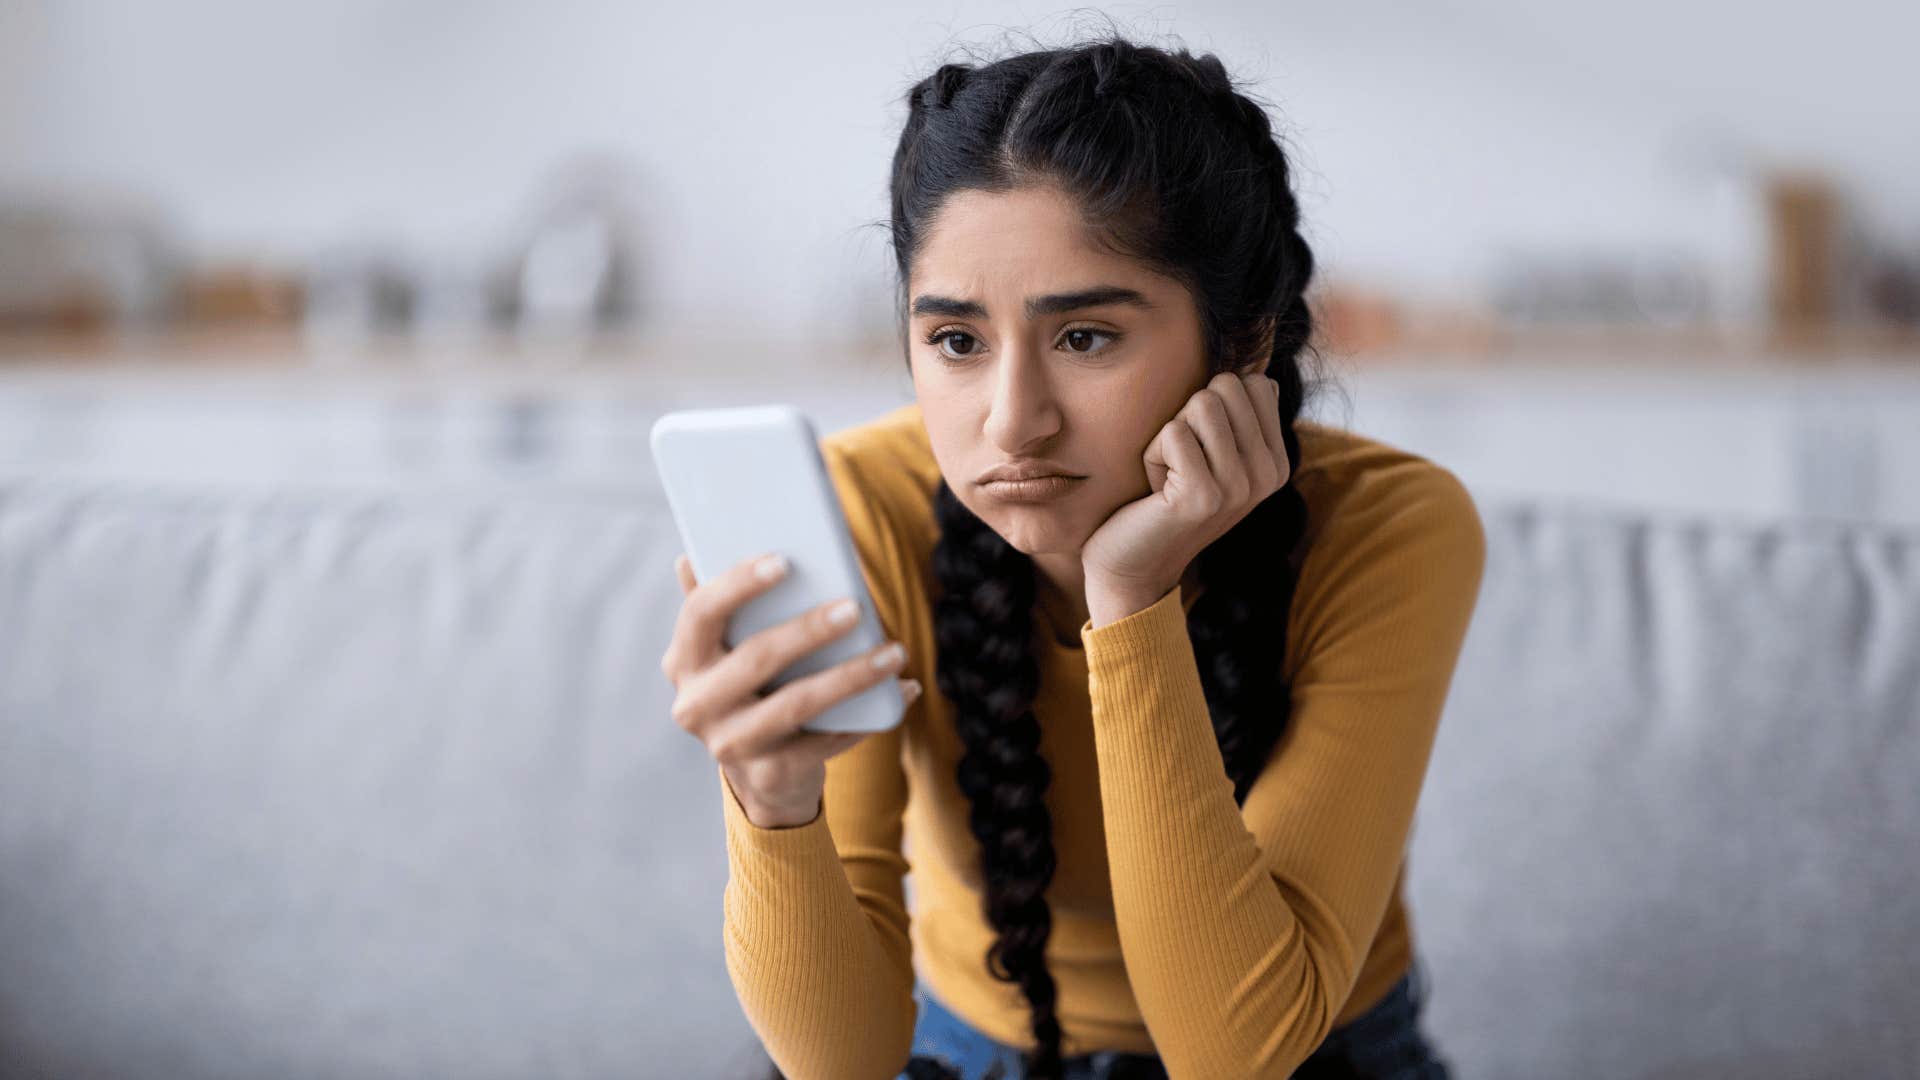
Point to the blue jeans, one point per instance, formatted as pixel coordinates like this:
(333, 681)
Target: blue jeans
(1383, 1043)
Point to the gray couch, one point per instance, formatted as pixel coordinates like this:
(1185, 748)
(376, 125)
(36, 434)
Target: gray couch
(335, 783)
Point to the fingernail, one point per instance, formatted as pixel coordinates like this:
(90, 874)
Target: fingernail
(771, 567)
(911, 690)
(843, 612)
(889, 656)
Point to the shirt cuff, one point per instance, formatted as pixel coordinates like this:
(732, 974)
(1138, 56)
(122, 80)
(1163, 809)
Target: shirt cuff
(1142, 629)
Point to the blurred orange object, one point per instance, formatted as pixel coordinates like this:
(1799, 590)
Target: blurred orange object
(1354, 320)
(240, 296)
(1802, 217)
(72, 309)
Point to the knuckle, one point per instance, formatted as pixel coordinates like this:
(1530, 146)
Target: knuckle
(694, 611)
(773, 653)
(844, 679)
(816, 633)
(751, 656)
(794, 704)
(867, 675)
(686, 712)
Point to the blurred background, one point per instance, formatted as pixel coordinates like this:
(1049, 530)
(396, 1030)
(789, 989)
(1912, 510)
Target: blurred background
(334, 575)
(211, 199)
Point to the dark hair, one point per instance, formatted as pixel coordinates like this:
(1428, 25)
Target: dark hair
(1172, 166)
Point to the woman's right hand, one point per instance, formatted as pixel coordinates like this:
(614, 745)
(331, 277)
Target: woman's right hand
(778, 772)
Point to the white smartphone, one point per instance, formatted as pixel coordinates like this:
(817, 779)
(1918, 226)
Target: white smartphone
(747, 480)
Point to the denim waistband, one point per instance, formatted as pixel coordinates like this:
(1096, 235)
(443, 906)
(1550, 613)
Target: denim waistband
(1385, 1041)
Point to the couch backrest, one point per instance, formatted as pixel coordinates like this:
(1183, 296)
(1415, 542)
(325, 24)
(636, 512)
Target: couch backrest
(1669, 824)
(379, 785)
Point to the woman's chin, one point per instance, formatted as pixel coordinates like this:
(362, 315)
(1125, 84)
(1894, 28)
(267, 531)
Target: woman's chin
(1031, 538)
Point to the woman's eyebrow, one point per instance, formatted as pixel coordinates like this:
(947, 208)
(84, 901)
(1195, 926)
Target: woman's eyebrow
(1051, 304)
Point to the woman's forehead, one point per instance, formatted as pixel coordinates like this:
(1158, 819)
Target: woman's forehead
(996, 247)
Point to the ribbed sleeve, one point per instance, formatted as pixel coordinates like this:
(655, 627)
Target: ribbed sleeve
(1244, 928)
(821, 965)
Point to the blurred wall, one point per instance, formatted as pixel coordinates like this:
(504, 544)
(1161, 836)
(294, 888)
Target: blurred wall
(1432, 138)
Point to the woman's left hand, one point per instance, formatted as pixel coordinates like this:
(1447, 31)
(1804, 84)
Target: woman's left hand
(1217, 459)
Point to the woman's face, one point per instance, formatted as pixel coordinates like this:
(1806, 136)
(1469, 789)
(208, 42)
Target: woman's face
(1029, 342)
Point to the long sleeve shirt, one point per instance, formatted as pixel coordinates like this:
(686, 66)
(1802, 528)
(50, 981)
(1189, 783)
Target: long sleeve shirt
(1228, 939)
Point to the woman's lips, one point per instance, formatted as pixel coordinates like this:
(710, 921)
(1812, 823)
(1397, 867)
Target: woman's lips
(1039, 489)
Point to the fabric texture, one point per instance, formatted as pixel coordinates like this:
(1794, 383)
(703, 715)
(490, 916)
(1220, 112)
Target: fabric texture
(1383, 1043)
(1229, 939)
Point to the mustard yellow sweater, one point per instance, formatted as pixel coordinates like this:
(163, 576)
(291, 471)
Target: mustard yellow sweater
(1227, 939)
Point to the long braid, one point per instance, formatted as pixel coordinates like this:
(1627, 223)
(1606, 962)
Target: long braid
(1239, 624)
(983, 630)
(1126, 128)
(984, 620)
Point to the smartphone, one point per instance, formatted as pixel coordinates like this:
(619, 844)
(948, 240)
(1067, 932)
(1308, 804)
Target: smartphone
(748, 480)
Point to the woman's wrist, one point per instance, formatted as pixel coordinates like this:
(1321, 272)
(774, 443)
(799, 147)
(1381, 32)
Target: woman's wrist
(776, 818)
(775, 814)
(782, 814)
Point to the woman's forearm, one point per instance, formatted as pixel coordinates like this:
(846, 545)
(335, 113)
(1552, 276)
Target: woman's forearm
(825, 979)
(1233, 977)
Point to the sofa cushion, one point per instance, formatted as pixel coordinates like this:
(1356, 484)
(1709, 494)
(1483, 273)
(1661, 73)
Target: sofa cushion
(373, 785)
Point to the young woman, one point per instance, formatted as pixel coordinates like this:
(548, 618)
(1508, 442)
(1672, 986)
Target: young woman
(1186, 684)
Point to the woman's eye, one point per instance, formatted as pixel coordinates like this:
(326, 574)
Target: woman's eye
(1074, 337)
(940, 340)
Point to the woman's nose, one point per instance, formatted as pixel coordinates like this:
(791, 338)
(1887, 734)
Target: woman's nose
(1023, 411)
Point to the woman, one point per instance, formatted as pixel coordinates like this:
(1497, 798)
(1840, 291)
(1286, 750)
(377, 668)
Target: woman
(1187, 687)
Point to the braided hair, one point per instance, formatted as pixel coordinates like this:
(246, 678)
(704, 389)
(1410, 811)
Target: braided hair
(1182, 171)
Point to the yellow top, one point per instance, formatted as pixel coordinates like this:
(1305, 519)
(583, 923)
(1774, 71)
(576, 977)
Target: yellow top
(1228, 939)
